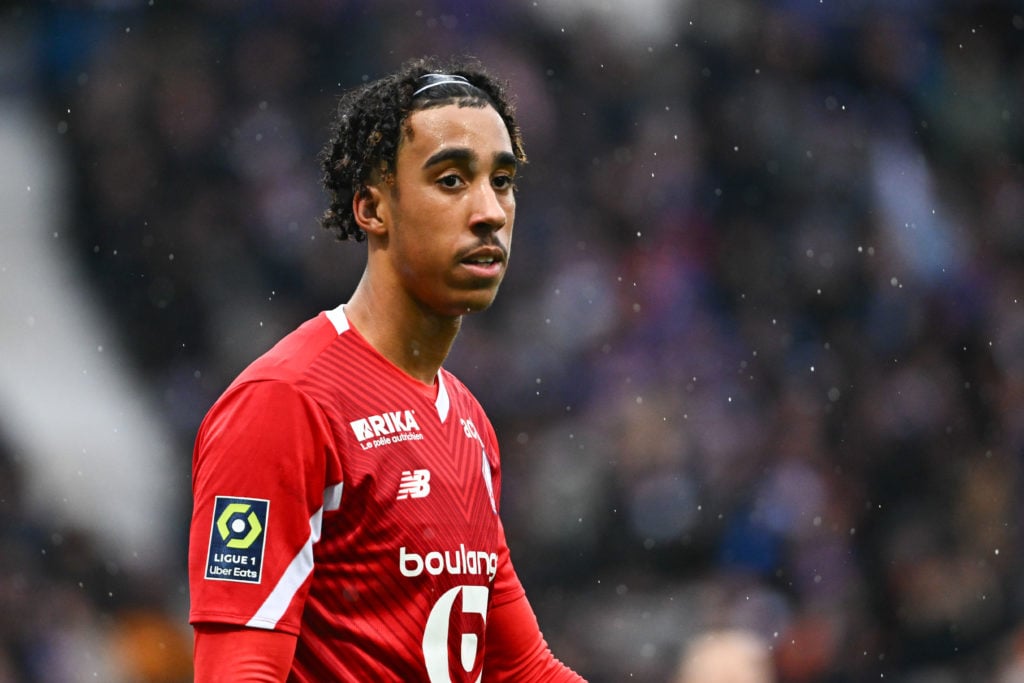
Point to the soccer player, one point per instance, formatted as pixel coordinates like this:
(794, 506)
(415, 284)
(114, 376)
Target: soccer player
(346, 487)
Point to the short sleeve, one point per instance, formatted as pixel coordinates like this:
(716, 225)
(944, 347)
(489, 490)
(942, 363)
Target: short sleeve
(258, 482)
(507, 586)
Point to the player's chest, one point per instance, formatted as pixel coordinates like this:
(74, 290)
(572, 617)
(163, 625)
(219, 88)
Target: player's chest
(408, 469)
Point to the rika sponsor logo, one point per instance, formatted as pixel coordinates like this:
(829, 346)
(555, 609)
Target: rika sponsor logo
(386, 428)
(455, 562)
(237, 537)
(414, 484)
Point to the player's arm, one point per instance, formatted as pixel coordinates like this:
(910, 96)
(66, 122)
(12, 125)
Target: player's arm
(516, 650)
(263, 441)
(246, 655)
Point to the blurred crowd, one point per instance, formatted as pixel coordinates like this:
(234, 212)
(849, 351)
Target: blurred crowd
(758, 365)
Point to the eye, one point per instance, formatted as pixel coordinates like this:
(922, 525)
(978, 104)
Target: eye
(504, 182)
(450, 181)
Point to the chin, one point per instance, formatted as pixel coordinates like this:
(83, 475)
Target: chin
(476, 307)
(463, 301)
(476, 304)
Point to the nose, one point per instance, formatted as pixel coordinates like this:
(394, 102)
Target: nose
(489, 209)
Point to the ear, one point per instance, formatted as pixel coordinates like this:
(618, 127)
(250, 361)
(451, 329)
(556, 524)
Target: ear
(370, 210)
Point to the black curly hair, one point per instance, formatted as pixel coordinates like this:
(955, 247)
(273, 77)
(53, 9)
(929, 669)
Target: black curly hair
(369, 121)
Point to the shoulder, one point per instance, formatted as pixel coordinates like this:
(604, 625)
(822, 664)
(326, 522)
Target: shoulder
(275, 383)
(256, 407)
(293, 355)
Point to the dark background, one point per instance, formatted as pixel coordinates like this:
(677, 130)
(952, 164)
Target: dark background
(758, 363)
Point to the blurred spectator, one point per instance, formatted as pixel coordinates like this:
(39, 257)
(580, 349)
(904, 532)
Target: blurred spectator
(728, 656)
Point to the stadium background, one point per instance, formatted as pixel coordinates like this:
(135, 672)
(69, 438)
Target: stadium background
(758, 363)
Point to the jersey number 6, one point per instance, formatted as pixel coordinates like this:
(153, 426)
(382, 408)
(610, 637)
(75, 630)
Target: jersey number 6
(435, 636)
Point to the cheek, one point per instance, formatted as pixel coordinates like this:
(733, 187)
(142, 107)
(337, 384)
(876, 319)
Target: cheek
(510, 214)
(510, 221)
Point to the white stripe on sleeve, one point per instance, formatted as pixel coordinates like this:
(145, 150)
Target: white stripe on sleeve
(276, 604)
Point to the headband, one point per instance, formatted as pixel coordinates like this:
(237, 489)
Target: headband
(433, 80)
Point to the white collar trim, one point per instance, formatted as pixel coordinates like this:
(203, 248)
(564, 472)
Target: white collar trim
(442, 403)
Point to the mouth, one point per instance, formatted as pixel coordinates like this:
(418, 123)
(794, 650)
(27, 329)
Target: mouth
(485, 261)
(481, 260)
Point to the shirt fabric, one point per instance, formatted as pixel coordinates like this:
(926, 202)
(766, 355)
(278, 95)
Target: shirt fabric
(338, 499)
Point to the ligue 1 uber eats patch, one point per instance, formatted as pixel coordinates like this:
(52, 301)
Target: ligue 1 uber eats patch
(236, 539)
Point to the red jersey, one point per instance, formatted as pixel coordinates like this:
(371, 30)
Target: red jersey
(338, 499)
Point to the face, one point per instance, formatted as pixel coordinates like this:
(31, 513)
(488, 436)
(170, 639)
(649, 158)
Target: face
(450, 210)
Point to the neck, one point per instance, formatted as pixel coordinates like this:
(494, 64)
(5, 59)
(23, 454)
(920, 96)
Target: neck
(414, 340)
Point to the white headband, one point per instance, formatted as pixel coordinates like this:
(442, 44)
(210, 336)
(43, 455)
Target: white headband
(441, 79)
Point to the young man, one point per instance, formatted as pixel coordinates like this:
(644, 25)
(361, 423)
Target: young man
(345, 486)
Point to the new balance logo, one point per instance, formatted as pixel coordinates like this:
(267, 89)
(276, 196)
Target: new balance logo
(414, 484)
(386, 428)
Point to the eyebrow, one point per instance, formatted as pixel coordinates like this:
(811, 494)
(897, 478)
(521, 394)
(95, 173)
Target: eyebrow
(506, 159)
(466, 155)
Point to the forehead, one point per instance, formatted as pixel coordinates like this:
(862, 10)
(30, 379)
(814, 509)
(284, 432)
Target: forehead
(480, 129)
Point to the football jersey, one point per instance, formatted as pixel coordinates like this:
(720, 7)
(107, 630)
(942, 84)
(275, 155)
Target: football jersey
(339, 499)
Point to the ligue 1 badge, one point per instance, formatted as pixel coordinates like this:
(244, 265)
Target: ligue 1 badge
(237, 538)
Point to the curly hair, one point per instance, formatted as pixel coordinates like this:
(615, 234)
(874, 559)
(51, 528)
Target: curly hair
(369, 121)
